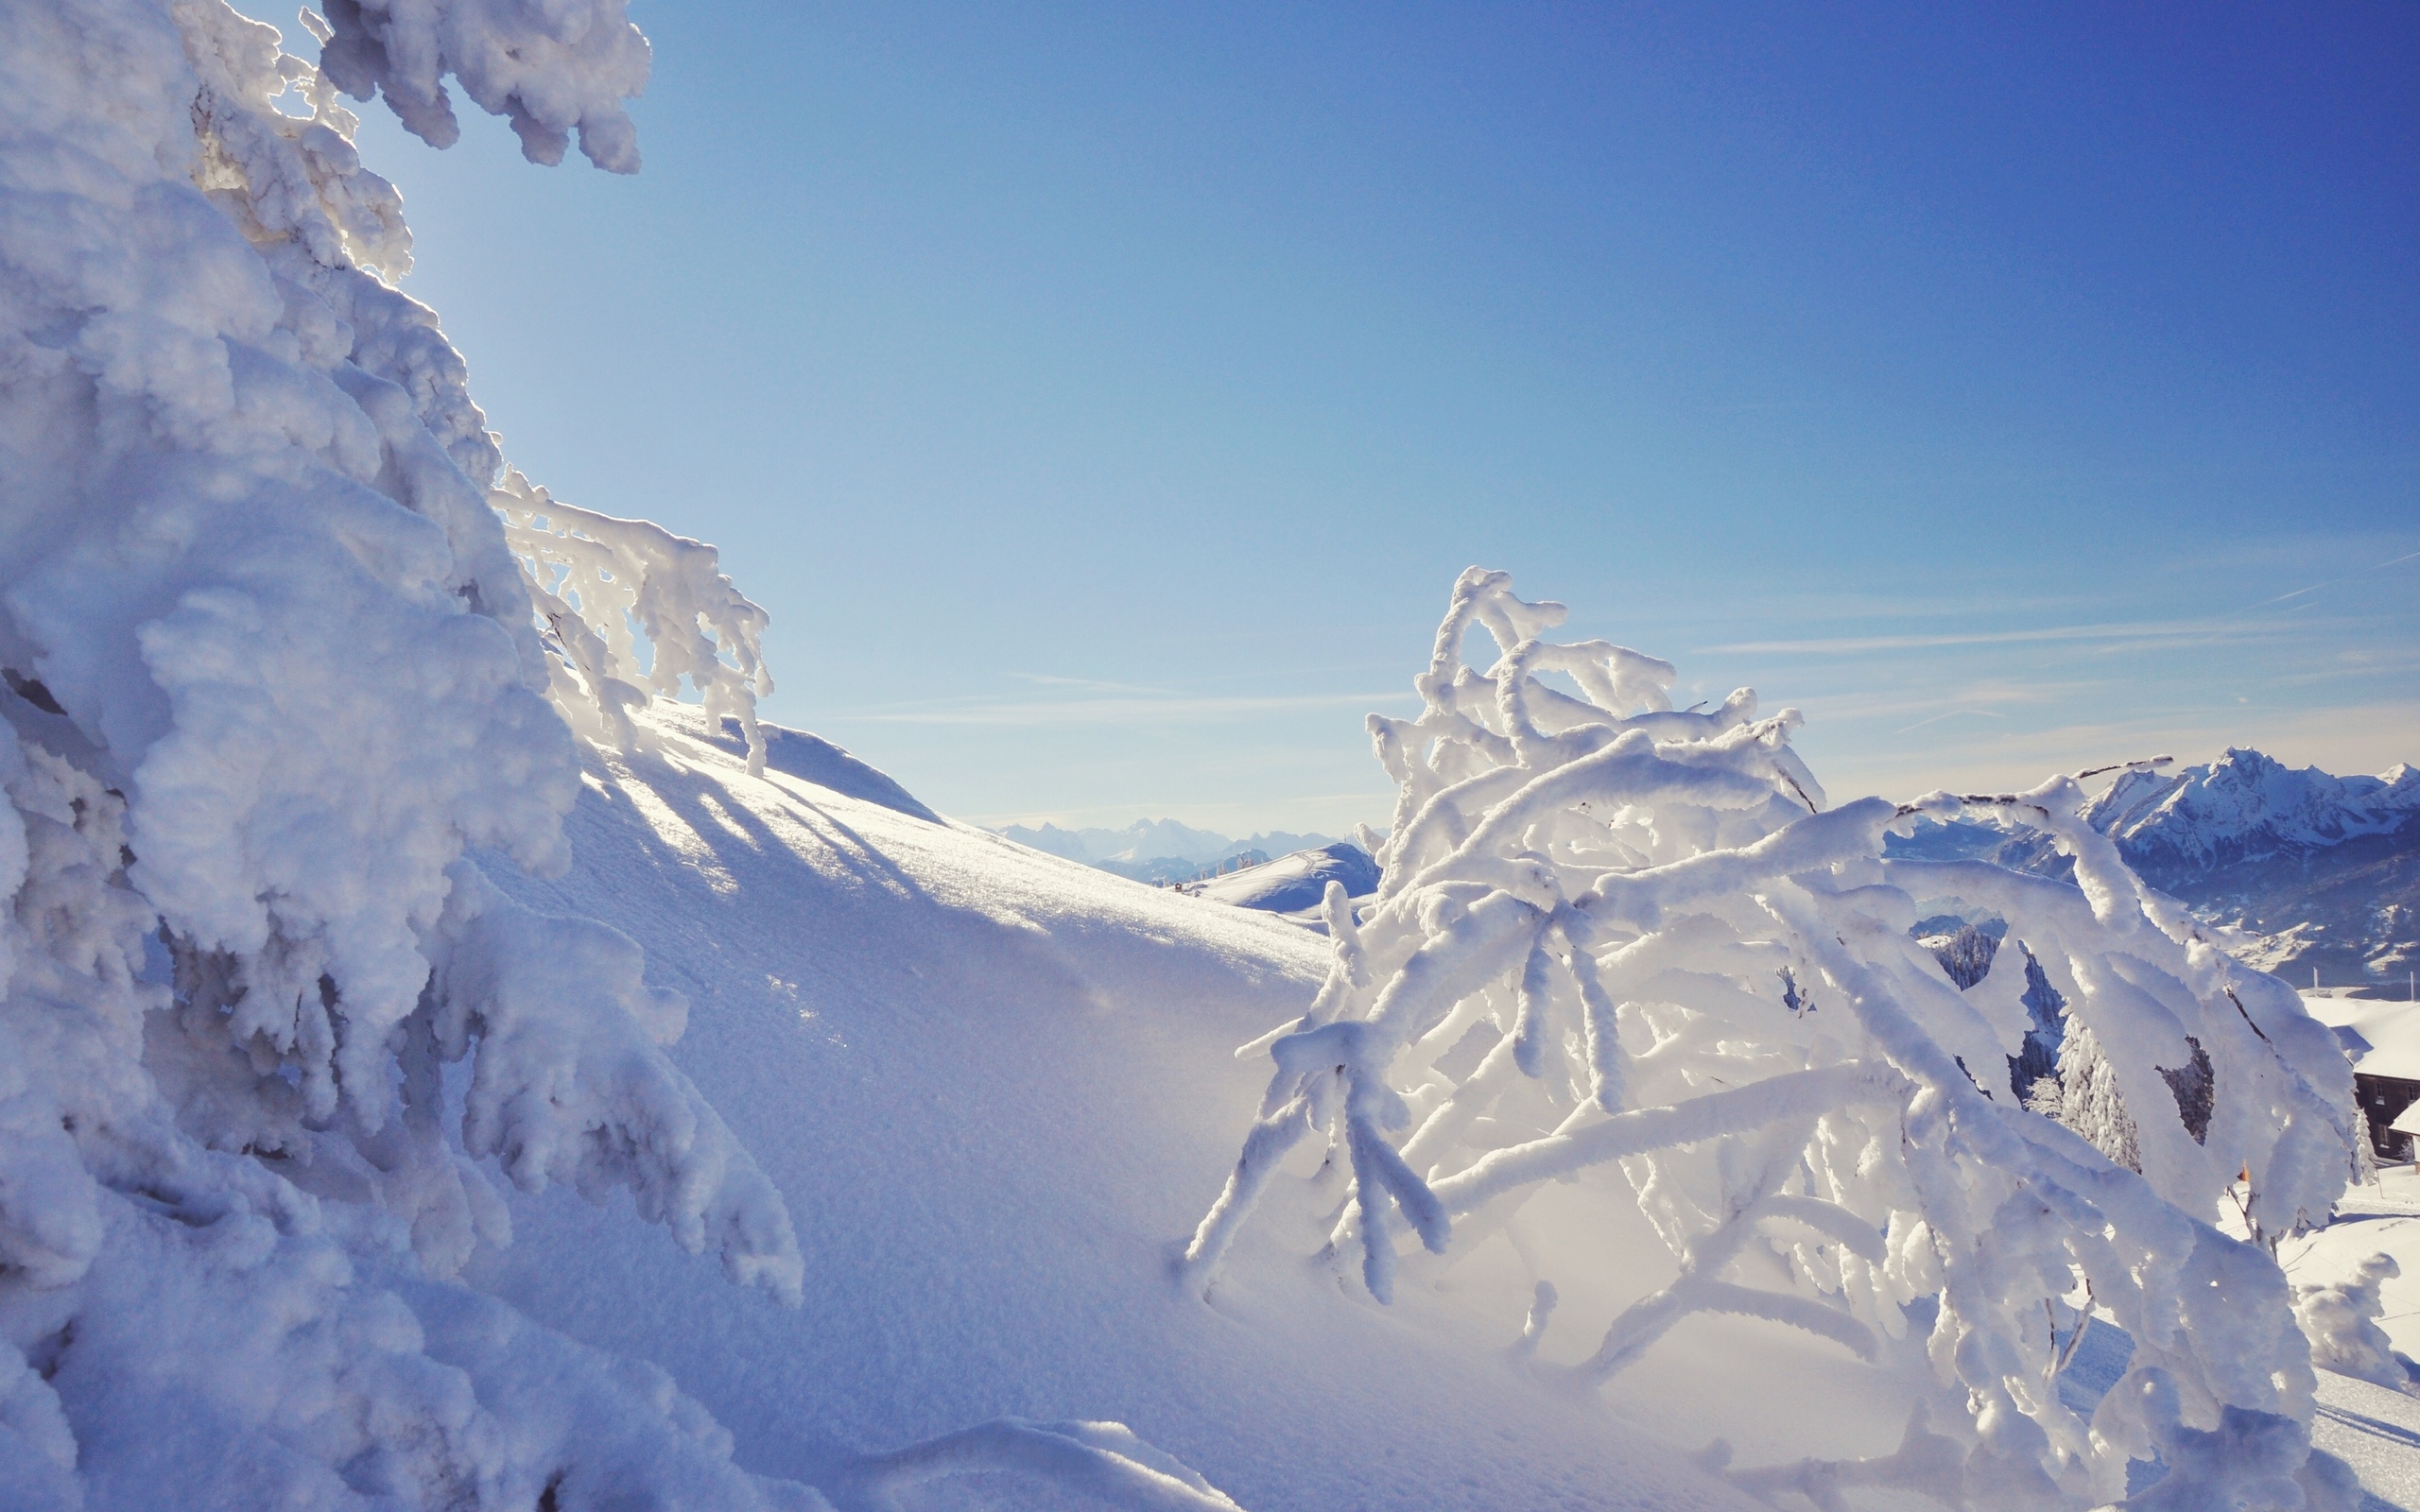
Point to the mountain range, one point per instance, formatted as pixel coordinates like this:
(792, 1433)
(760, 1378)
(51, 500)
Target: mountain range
(2307, 871)
(1156, 850)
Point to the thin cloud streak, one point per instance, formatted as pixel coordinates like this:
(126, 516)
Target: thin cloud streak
(2168, 632)
(1087, 685)
(1954, 714)
(1118, 711)
(2376, 567)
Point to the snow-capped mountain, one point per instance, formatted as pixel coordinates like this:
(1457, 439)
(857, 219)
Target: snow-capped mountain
(1295, 883)
(2316, 872)
(2246, 809)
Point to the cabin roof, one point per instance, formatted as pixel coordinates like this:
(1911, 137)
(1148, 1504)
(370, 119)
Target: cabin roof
(2382, 1038)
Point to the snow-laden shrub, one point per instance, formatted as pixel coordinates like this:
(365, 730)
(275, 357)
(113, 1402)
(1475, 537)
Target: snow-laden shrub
(1698, 974)
(273, 672)
(2341, 1320)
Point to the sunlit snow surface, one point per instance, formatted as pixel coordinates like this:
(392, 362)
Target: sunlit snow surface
(995, 1089)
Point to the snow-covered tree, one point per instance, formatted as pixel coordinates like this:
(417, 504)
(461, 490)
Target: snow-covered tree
(289, 657)
(1702, 982)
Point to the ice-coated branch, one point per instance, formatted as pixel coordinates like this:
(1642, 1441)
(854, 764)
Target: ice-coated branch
(272, 671)
(603, 583)
(548, 69)
(1703, 984)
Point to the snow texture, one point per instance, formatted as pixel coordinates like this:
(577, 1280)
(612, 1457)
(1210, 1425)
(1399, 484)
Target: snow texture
(274, 675)
(1705, 978)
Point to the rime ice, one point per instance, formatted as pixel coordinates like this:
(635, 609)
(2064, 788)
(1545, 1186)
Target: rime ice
(1699, 972)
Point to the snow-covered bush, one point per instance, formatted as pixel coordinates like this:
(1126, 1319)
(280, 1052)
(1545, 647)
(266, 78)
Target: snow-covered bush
(274, 671)
(1695, 973)
(2340, 1319)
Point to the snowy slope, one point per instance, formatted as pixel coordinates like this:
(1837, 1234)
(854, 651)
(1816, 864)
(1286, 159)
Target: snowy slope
(995, 1089)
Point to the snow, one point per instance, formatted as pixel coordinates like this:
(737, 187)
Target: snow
(992, 1084)
(2381, 1036)
(382, 937)
(2246, 806)
(1295, 883)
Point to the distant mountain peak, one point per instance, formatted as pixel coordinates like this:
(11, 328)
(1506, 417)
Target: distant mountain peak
(2244, 806)
(2298, 868)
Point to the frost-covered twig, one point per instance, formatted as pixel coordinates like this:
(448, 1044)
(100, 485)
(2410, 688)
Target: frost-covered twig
(601, 583)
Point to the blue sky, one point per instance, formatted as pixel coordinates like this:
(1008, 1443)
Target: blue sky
(1102, 399)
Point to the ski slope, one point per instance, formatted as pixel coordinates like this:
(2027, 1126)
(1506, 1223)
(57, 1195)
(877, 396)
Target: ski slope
(995, 1089)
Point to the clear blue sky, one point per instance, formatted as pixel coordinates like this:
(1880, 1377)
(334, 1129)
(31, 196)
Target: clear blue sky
(1102, 399)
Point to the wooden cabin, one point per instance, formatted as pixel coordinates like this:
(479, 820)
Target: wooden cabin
(2382, 1040)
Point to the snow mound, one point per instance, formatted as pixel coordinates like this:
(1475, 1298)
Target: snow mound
(1296, 882)
(810, 758)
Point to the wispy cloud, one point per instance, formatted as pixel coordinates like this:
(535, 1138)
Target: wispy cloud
(1155, 708)
(2374, 567)
(1954, 714)
(1046, 680)
(2140, 635)
(2169, 630)
(2362, 737)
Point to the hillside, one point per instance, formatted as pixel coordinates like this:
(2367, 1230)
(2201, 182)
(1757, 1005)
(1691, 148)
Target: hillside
(1294, 883)
(996, 1089)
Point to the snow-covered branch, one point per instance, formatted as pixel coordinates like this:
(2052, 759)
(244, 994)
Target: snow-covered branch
(1694, 971)
(600, 583)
